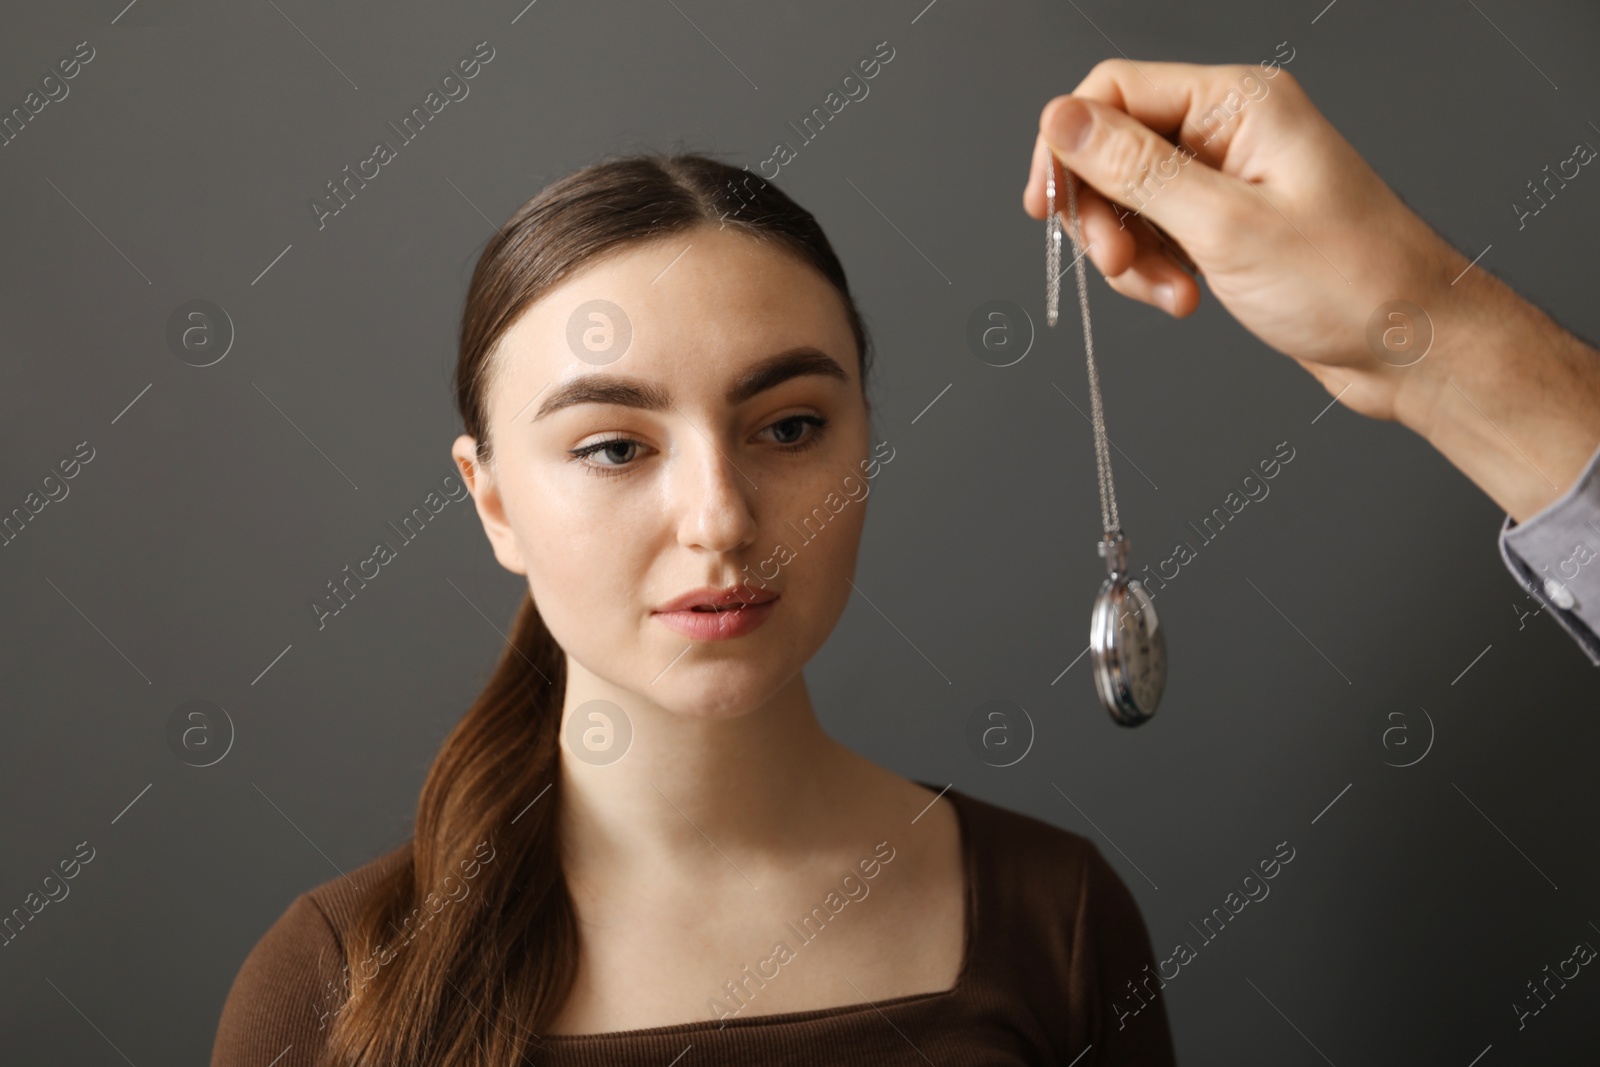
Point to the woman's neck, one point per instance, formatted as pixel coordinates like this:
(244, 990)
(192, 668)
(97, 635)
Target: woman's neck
(764, 781)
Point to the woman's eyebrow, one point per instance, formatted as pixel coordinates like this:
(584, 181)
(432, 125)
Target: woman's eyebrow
(637, 393)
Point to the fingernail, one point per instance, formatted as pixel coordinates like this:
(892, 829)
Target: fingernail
(1167, 297)
(1069, 126)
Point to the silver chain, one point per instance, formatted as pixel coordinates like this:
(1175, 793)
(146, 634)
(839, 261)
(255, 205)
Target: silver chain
(1052, 263)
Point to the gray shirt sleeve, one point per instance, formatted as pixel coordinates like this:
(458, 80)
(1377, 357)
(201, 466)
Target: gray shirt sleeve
(1555, 556)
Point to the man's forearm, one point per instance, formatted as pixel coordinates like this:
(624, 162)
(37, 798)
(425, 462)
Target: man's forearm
(1505, 394)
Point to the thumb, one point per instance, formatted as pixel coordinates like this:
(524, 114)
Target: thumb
(1130, 164)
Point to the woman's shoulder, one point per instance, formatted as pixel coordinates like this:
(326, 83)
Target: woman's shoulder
(294, 980)
(1038, 876)
(340, 899)
(1060, 928)
(1018, 843)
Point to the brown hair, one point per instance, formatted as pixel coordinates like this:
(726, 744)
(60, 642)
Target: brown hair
(497, 965)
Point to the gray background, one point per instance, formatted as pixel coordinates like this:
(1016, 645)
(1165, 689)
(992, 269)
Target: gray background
(185, 557)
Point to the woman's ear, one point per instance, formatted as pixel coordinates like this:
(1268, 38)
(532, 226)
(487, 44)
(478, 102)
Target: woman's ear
(480, 480)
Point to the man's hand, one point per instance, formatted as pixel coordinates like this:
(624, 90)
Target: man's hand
(1303, 243)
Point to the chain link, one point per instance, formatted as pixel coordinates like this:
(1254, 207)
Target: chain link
(1102, 448)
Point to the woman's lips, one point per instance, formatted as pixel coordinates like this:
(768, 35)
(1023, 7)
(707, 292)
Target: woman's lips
(717, 625)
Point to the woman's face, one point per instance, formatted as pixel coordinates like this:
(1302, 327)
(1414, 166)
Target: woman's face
(727, 445)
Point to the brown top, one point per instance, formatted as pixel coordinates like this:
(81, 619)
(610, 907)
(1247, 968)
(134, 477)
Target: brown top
(1053, 936)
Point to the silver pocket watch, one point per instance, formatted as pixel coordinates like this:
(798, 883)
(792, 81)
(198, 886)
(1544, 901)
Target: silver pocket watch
(1126, 642)
(1127, 645)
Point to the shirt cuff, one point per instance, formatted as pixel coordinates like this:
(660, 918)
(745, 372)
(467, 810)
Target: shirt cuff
(1555, 556)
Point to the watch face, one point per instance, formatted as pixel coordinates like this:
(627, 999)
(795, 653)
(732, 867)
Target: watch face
(1130, 651)
(1144, 649)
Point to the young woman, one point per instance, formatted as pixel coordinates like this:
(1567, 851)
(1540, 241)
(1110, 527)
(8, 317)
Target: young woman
(638, 846)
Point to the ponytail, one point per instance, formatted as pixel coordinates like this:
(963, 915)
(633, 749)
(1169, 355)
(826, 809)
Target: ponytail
(458, 990)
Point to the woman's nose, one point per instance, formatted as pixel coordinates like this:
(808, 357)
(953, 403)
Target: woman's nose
(713, 498)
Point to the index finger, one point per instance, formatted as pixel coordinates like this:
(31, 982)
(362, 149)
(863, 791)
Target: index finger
(1189, 103)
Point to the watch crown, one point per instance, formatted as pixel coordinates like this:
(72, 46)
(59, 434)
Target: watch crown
(1115, 552)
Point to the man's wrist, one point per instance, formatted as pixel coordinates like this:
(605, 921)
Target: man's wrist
(1506, 394)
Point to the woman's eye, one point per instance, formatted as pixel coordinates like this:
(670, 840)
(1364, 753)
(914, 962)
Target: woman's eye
(796, 424)
(612, 462)
(613, 457)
